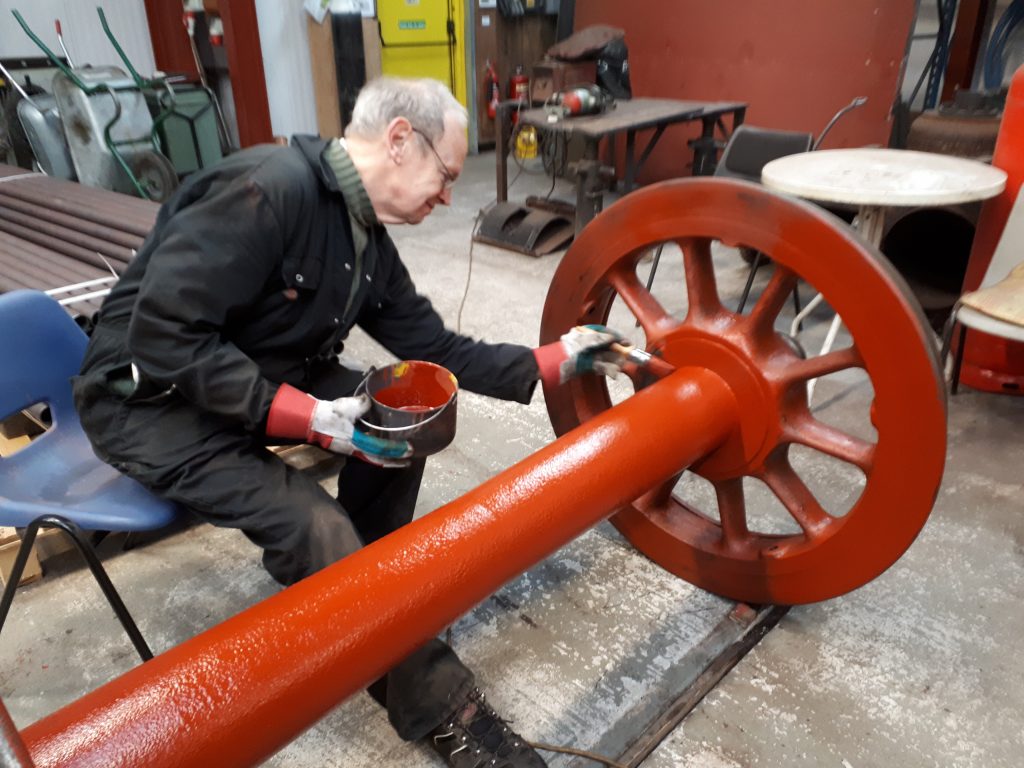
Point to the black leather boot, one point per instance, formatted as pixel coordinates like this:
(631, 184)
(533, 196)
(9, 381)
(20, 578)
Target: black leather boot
(476, 737)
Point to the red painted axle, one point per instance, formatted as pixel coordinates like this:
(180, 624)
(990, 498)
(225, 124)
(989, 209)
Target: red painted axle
(237, 693)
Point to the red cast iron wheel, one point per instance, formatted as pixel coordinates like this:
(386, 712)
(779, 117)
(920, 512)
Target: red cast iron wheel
(902, 467)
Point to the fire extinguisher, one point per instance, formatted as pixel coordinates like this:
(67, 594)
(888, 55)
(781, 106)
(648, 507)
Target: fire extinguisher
(519, 85)
(492, 89)
(519, 90)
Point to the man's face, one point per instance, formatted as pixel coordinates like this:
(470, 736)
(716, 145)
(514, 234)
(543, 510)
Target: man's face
(428, 171)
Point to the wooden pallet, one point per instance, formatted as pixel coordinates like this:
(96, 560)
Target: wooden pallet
(10, 543)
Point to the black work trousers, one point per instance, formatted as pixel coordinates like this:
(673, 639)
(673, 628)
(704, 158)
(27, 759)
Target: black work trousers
(226, 477)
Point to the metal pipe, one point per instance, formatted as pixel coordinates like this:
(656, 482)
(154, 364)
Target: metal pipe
(67, 238)
(36, 232)
(39, 263)
(128, 214)
(858, 101)
(237, 693)
(79, 286)
(13, 283)
(84, 298)
(59, 264)
(13, 753)
(104, 212)
(73, 223)
(130, 228)
(18, 88)
(60, 39)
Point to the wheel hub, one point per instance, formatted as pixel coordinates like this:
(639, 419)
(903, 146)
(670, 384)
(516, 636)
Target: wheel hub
(758, 430)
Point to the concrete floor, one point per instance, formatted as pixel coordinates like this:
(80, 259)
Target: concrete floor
(917, 668)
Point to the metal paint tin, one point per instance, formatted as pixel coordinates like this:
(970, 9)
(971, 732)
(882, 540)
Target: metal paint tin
(413, 400)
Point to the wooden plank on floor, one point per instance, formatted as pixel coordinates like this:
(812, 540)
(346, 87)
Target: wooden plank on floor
(708, 662)
(10, 543)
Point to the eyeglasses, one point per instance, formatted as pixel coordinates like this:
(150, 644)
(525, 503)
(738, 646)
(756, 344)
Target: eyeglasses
(449, 177)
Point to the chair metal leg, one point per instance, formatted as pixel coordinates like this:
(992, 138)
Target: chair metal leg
(794, 327)
(947, 342)
(654, 268)
(796, 306)
(78, 536)
(954, 381)
(830, 338)
(754, 266)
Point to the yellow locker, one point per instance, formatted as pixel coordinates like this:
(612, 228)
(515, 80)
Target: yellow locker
(425, 38)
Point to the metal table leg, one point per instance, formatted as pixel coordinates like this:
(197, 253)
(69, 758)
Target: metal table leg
(868, 223)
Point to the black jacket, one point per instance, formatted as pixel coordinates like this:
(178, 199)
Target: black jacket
(244, 283)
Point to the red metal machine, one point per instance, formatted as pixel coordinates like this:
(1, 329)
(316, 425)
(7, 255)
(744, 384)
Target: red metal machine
(992, 363)
(734, 408)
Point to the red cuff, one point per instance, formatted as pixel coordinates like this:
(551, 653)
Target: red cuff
(549, 362)
(291, 414)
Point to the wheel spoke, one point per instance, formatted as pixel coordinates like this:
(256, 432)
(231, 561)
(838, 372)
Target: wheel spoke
(812, 368)
(661, 496)
(832, 442)
(795, 496)
(701, 288)
(732, 512)
(773, 299)
(641, 302)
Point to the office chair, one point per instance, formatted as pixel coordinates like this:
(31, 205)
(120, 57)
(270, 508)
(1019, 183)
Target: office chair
(748, 150)
(56, 481)
(746, 153)
(997, 307)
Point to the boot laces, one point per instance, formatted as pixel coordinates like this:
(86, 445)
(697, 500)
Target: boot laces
(479, 733)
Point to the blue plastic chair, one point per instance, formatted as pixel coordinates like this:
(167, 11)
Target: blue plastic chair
(57, 481)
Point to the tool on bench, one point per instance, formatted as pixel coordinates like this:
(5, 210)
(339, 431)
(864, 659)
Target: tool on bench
(578, 101)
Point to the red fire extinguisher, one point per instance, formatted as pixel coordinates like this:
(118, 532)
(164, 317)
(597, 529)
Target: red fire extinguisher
(518, 89)
(492, 89)
(519, 85)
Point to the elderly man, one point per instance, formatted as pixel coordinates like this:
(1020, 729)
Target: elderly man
(223, 336)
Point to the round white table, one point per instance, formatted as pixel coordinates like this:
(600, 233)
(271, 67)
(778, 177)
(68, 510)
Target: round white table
(874, 179)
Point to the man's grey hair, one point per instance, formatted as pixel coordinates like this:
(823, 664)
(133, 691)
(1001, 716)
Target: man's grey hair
(423, 102)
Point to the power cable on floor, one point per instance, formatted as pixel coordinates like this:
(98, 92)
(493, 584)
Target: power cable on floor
(552, 747)
(516, 177)
(577, 752)
(551, 189)
(469, 270)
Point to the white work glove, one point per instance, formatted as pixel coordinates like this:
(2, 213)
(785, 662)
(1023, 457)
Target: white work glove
(334, 423)
(584, 349)
(331, 424)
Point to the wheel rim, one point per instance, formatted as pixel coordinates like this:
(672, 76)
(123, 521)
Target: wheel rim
(155, 175)
(902, 467)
